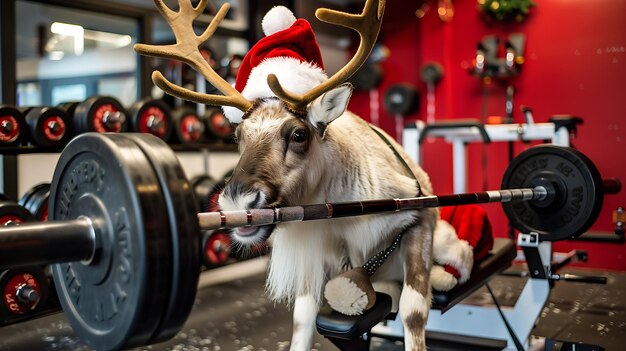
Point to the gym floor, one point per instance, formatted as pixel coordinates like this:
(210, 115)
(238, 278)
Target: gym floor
(232, 313)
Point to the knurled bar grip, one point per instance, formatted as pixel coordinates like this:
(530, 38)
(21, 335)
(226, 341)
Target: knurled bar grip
(257, 217)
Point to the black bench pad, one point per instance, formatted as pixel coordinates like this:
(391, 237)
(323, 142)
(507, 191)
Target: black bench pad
(333, 324)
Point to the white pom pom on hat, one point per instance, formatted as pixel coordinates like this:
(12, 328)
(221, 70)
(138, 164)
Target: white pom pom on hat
(277, 19)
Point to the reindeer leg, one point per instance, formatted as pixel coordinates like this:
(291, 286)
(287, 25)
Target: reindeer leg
(304, 314)
(415, 299)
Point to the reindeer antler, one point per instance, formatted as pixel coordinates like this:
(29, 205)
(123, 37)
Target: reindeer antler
(186, 50)
(367, 24)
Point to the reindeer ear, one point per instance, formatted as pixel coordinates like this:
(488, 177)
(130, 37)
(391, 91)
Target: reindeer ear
(329, 106)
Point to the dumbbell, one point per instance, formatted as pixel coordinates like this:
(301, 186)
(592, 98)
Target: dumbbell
(35, 200)
(124, 229)
(49, 127)
(217, 125)
(188, 127)
(151, 116)
(12, 126)
(24, 290)
(12, 213)
(97, 114)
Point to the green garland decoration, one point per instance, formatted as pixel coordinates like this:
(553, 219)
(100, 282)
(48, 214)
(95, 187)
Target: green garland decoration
(506, 10)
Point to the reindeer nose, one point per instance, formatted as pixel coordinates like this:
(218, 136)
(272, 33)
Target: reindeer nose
(245, 195)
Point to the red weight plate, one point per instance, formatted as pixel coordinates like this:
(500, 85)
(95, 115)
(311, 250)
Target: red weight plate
(9, 129)
(191, 128)
(100, 114)
(217, 249)
(54, 128)
(101, 119)
(218, 125)
(12, 125)
(11, 297)
(152, 117)
(188, 128)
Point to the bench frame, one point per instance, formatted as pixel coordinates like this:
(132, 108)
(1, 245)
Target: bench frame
(466, 323)
(463, 324)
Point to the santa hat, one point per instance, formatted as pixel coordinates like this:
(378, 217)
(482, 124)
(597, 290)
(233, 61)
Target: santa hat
(289, 50)
(462, 235)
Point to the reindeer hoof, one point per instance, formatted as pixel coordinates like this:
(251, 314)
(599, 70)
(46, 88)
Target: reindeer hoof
(350, 293)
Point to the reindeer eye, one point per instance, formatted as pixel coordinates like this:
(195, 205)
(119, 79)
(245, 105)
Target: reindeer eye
(299, 136)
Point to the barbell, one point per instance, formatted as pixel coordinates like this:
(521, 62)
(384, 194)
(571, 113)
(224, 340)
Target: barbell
(123, 230)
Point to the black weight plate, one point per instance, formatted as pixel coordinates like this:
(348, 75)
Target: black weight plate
(203, 185)
(38, 203)
(367, 77)
(69, 108)
(3, 197)
(217, 124)
(35, 201)
(151, 116)
(401, 99)
(12, 126)
(24, 199)
(188, 128)
(117, 300)
(185, 234)
(90, 115)
(11, 212)
(48, 126)
(577, 185)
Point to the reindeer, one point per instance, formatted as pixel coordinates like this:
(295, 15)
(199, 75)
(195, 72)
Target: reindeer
(299, 145)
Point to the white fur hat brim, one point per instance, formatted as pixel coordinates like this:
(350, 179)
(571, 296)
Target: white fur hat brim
(293, 75)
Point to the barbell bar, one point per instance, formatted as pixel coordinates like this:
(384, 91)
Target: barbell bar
(78, 240)
(124, 228)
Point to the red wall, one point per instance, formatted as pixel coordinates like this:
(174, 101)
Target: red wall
(575, 64)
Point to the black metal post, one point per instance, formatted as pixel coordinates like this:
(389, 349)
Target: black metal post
(7, 52)
(8, 86)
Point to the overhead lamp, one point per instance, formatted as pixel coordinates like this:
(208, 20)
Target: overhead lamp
(71, 30)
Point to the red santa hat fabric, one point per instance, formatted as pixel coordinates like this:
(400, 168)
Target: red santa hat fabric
(288, 50)
(463, 236)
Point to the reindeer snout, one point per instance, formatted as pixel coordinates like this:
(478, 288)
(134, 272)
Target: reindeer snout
(238, 195)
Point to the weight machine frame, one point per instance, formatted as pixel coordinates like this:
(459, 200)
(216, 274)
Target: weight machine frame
(507, 326)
